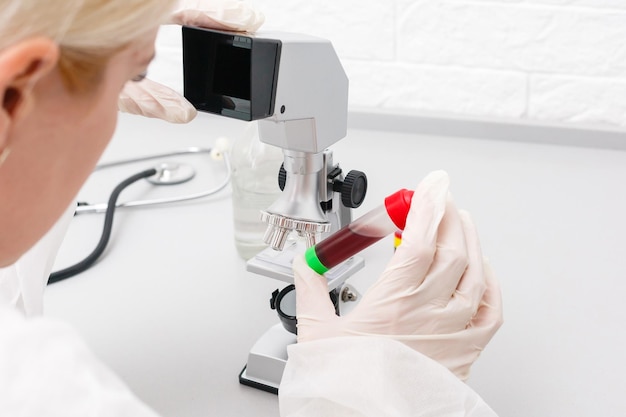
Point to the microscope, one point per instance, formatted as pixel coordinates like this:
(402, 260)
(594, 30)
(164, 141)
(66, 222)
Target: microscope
(297, 90)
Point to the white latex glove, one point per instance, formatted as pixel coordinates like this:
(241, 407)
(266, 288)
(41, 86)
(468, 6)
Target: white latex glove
(231, 15)
(150, 99)
(437, 295)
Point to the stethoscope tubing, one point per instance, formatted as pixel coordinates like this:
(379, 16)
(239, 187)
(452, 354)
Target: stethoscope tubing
(101, 207)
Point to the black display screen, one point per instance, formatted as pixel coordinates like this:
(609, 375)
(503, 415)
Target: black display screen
(230, 74)
(232, 71)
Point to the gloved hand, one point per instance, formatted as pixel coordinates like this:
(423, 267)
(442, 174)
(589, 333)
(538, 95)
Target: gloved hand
(231, 15)
(151, 99)
(437, 294)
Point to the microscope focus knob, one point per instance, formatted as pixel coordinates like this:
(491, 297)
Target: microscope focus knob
(282, 177)
(353, 189)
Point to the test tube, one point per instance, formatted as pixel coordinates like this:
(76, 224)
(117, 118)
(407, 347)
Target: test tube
(361, 233)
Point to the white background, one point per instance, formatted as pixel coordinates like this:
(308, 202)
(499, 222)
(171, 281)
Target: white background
(537, 60)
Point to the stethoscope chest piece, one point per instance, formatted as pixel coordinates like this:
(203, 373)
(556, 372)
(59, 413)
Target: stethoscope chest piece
(172, 173)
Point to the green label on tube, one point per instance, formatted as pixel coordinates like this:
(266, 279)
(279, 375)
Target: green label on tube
(313, 261)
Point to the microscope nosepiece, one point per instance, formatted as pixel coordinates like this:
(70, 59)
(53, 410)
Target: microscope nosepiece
(279, 227)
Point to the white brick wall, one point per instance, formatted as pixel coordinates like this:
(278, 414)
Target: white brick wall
(539, 60)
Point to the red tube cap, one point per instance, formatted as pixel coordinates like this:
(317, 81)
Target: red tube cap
(398, 205)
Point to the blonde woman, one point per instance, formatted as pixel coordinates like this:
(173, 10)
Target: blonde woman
(63, 65)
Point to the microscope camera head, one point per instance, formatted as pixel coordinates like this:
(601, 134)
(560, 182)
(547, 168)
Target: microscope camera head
(293, 84)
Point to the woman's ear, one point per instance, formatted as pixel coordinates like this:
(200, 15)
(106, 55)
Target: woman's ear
(21, 66)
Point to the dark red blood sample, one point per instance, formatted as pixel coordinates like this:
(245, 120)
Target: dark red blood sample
(342, 245)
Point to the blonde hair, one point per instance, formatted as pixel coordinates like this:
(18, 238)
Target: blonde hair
(88, 32)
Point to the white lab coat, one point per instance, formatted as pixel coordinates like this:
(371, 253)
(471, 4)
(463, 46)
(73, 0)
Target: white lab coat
(45, 367)
(47, 370)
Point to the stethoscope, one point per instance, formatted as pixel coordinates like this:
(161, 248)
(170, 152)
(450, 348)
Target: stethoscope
(167, 173)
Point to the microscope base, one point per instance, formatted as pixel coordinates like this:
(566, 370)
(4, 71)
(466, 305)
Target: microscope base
(267, 360)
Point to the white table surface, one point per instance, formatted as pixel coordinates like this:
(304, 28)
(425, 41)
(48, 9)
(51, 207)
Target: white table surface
(172, 310)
